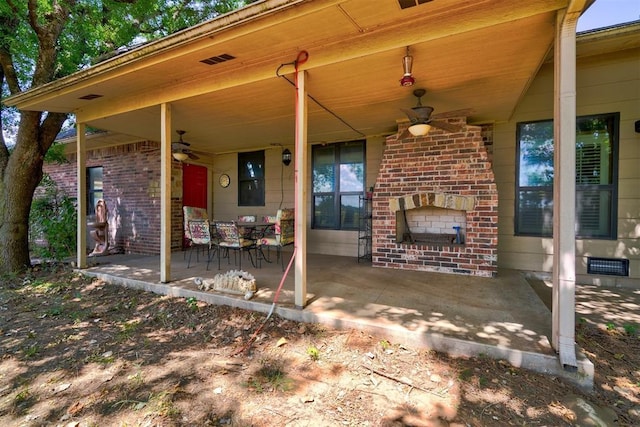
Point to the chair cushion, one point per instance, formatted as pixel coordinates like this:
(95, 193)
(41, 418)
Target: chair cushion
(270, 241)
(192, 213)
(240, 243)
(199, 232)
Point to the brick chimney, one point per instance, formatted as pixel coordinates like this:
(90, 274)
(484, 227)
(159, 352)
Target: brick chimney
(446, 180)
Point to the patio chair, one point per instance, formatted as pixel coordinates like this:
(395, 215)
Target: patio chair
(190, 213)
(283, 233)
(231, 238)
(247, 232)
(200, 237)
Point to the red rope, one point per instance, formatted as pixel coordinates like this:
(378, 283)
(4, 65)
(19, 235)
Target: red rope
(275, 299)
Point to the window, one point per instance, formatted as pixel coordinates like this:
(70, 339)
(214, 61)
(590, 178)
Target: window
(251, 178)
(94, 188)
(338, 183)
(596, 177)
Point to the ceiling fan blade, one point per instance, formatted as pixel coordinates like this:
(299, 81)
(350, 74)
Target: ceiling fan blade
(413, 116)
(449, 127)
(404, 134)
(454, 113)
(177, 146)
(193, 156)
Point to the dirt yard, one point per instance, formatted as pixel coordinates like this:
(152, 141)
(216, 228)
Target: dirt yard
(79, 352)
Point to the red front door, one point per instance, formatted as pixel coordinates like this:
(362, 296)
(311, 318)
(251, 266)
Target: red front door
(194, 186)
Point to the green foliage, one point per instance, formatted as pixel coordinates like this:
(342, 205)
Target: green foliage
(313, 353)
(56, 154)
(93, 30)
(127, 330)
(32, 350)
(53, 221)
(103, 359)
(630, 329)
(44, 40)
(23, 395)
(192, 303)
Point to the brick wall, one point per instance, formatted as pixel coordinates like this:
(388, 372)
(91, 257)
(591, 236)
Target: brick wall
(131, 186)
(440, 163)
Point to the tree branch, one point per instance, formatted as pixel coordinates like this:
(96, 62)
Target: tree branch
(48, 36)
(8, 25)
(49, 129)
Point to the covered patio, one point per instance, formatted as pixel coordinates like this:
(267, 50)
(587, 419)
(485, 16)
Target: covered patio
(500, 317)
(304, 73)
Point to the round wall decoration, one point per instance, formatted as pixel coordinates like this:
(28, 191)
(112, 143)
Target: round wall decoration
(225, 180)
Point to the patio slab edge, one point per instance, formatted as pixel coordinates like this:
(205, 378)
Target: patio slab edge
(455, 347)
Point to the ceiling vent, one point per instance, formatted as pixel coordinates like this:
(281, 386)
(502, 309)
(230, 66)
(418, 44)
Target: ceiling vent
(218, 59)
(404, 4)
(90, 96)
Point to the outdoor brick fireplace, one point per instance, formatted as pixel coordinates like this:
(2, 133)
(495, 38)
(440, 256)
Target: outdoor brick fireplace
(435, 205)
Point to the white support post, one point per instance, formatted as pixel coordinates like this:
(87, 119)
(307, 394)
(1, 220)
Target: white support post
(81, 176)
(165, 192)
(301, 153)
(564, 194)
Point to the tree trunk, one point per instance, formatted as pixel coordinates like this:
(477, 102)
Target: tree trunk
(20, 177)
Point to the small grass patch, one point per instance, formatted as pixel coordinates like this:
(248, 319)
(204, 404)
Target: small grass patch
(44, 286)
(31, 351)
(22, 396)
(54, 311)
(192, 303)
(313, 352)
(630, 329)
(270, 377)
(103, 358)
(136, 380)
(466, 375)
(127, 330)
(162, 404)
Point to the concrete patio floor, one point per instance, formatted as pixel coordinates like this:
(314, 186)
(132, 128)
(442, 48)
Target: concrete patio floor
(502, 318)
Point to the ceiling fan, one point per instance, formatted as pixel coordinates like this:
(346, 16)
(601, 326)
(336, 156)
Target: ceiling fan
(422, 119)
(180, 149)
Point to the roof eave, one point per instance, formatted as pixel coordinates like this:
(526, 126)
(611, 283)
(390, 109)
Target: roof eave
(174, 41)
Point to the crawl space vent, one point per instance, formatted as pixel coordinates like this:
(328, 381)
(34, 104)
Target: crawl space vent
(608, 266)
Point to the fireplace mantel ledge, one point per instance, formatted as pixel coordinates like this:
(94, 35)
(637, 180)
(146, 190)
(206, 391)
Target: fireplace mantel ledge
(425, 199)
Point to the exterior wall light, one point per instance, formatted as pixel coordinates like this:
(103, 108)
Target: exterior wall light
(286, 157)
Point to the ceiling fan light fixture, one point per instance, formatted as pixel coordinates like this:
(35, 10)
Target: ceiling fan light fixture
(407, 63)
(419, 129)
(180, 156)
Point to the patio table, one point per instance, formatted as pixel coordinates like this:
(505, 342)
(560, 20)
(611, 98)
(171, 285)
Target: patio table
(257, 230)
